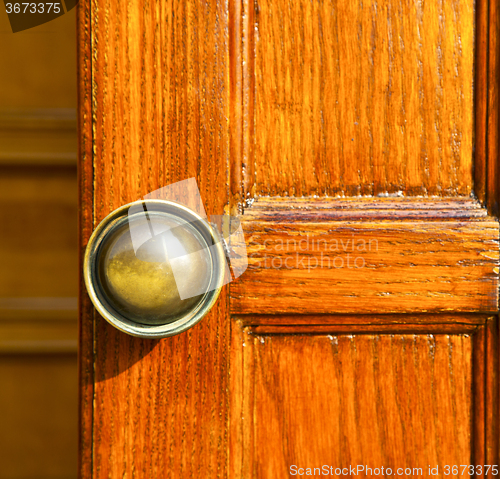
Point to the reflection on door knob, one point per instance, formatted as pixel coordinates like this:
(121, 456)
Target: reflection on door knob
(154, 268)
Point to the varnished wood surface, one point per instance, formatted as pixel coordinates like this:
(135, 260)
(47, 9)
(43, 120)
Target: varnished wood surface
(356, 98)
(301, 209)
(371, 328)
(492, 125)
(85, 227)
(345, 259)
(360, 322)
(242, 95)
(492, 392)
(481, 87)
(487, 103)
(153, 110)
(370, 393)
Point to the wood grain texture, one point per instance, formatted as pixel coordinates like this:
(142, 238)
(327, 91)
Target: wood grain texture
(491, 360)
(493, 116)
(370, 393)
(361, 323)
(487, 103)
(481, 100)
(294, 99)
(480, 420)
(352, 98)
(85, 228)
(357, 258)
(154, 108)
(371, 328)
(242, 74)
(485, 396)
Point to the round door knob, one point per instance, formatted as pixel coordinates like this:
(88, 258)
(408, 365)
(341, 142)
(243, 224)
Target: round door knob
(154, 268)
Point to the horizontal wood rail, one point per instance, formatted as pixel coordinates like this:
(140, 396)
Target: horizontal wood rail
(355, 256)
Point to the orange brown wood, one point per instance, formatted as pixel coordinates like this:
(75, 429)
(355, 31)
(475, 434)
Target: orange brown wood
(153, 109)
(371, 98)
(335, 121)
(370, 392)
(364, 256)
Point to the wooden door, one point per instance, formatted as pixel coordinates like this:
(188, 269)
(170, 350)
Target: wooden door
(358, 141)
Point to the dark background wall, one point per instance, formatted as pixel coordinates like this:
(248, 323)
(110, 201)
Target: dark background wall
(38, 250)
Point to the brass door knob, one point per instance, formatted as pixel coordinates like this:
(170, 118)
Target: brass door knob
(154, 268)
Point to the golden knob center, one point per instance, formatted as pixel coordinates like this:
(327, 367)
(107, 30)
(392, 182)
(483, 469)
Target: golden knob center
(155, 278)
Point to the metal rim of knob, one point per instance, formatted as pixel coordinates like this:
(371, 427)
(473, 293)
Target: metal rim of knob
(184, 322)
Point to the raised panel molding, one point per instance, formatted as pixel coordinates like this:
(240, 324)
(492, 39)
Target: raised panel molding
(411, 389)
